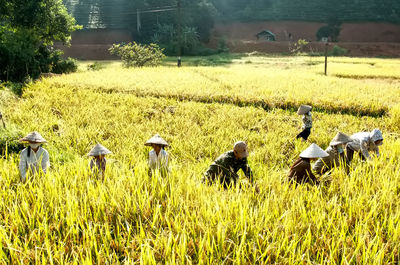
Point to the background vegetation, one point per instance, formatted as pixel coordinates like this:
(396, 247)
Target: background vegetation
(201, 14)
(68, 216)
(27, 31)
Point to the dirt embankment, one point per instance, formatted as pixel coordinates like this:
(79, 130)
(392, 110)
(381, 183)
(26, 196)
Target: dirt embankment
(94, 44)
(361, 39)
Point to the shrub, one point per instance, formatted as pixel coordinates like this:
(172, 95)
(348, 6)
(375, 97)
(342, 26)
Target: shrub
(96, 66)
(65, 66)
(338, 51)
(9, 140)
(298, 46)
(137, 55)
(222, 46)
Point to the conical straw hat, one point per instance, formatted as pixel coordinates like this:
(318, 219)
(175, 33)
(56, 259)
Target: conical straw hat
(156, 139)
(376, 135)
(313, 151)
(98, 149)
(33, 137)
(303, 109)
(340, 138)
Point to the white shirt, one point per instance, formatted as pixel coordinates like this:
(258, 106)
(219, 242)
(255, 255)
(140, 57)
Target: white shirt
(160, 161)
(36, 161)
(363, 142)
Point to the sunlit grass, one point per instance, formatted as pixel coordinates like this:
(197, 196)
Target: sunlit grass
(69, 217)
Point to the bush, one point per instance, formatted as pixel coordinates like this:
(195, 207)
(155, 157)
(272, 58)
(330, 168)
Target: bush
(96, 66)
(64, 66)
(338, 51)
(222, 46)
(298, 46)
(9, 140)
(137, 55)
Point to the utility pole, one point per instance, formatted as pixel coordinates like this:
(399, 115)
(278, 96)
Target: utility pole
(179, 6)
(326, 57)
(138, 23)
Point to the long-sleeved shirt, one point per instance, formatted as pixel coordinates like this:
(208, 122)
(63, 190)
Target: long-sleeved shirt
(307, 121)
(36, 161)
(226, 167)
(98, 166)
(364, 142)
(326, 163)
(300, 172)
(158, 162)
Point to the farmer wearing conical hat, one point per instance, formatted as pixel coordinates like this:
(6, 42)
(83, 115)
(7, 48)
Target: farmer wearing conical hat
(300, 172)
(363, 142)
(336, 154)
(224, 169)
(158, 157)
(305, 110)
(98, 162)
(33, 158)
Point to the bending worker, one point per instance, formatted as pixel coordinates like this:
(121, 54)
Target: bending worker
(98, 163)
(225, 167)
(363, 142)
(300, 172)
(336, 154)
(33, 158)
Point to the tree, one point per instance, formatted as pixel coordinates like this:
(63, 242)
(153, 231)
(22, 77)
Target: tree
(137, 55)
(27, 29)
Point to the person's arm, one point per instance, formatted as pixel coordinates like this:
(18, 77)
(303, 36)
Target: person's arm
(91, 165)
(376, 151)
(319, 165)
(248, 172)
(211, 174)
(364, 149)
(45, 161)
(166, 160)
(23, 167)
(152, 161)
(311, 176)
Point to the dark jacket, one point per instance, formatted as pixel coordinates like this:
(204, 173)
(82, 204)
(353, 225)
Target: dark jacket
(225, 169)
(300, 172)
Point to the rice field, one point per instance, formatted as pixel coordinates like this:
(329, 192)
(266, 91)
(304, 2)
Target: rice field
(68, 217)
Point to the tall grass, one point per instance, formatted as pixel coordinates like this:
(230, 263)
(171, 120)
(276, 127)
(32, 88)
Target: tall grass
(67, 216)
(265, 85)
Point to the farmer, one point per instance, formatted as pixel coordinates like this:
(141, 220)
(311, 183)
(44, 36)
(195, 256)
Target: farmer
(33, 158)
(226, 166)
(305, 110)
(336, 154)
(98, 163)
(363, 142)
(300, 172)
(158, 157)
